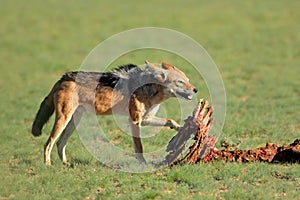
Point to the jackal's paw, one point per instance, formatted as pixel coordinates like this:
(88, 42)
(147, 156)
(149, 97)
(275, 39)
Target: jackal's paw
(140, 158)
(48, 163)
(68, 164)
(173, 124)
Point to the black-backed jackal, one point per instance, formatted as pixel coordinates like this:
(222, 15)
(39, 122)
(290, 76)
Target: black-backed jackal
(127, 90)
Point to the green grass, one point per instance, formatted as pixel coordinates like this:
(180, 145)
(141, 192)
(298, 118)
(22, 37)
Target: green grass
(255, 45)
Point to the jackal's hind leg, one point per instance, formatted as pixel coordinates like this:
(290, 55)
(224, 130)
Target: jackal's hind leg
(64, 110)
(58, 127)
(61, 143)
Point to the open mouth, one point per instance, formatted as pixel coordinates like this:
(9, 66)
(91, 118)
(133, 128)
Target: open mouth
(184, 95)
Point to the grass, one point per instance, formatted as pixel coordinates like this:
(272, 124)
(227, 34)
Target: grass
(255, 45)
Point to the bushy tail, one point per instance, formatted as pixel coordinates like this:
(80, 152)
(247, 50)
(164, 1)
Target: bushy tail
(44, 113)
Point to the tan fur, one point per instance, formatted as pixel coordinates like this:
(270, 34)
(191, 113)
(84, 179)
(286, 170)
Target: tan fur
(70, 99)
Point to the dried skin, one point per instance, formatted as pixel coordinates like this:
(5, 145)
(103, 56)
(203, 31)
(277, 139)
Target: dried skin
(270, 153)
(203, 148)
(198, 125)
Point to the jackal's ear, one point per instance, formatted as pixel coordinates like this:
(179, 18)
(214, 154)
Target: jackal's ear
(166, 65)
(160, 76)
(151, 65)
(159, 73)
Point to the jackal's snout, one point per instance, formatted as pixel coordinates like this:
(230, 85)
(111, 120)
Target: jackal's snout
(195, 90)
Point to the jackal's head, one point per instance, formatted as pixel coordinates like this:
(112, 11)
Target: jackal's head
(175, 82)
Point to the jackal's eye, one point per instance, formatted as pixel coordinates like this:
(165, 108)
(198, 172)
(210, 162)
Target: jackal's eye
(180, 81)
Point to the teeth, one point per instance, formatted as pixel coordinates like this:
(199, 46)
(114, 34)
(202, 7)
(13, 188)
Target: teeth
(190, 97)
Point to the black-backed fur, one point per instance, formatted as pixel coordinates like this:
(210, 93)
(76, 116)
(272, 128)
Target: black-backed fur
(109, 79)
(126, 68)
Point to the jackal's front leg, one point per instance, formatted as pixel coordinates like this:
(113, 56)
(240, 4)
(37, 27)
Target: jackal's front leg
(138, 148)
(157, 121)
